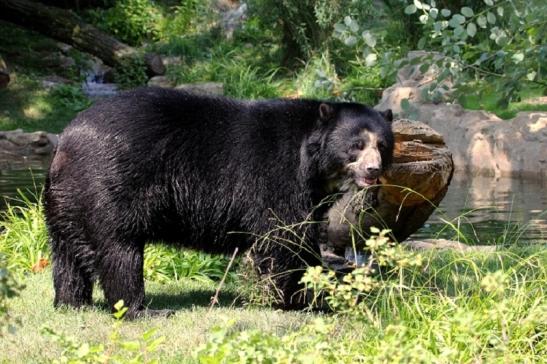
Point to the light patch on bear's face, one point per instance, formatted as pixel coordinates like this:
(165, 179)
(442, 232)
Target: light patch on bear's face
(366, 163)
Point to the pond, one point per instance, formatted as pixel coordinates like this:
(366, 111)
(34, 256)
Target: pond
(484, 209)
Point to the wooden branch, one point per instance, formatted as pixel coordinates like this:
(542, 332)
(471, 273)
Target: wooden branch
(67, 27)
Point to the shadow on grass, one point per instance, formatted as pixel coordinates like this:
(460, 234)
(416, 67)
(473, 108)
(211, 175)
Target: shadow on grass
(183, 300)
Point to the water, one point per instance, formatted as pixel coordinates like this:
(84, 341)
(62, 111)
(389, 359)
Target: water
(489, 210)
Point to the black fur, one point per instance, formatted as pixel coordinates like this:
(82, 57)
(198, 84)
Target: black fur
(209, 173)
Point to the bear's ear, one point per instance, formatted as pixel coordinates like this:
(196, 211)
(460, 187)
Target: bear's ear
(388, 115)
(326, 112)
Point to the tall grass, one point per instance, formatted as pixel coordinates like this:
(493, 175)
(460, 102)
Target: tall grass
(24, 243)
(23, 237)
(453, 307)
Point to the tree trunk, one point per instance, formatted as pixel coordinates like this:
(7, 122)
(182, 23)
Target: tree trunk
(67, 27)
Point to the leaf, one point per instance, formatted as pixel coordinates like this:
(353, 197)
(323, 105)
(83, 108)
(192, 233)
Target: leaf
(348, 20)
(370, 60)
(489, 2)
(411, 9)
(418, 4)
(467, 12)
(339, 27)
(530, 76)
(423, 18)
(446, 13)
(500, 11)
(350, 41)
(456, 20)
(481, 21)
(434, 12)
(491, 18)
(369, 38)
(458, 31)
(421, 43)
(424, 68)
(518, 57)
(471, 29)
(456, 48)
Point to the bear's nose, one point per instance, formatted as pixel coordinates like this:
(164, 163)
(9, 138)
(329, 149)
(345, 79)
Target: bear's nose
(372, 171)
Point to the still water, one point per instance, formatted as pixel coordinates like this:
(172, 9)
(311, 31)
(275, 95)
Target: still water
(484, 209)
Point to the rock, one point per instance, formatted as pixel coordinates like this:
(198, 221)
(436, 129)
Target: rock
(18, 147)
(172, 61)
(208, 88)
(480, 142)
(53, 81)
(232, 19)
(154, 64)
(161, 81)
(444, 244)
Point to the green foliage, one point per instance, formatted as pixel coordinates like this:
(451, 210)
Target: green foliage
(9, 288)
(318, 79)
(132, 21)
(432, 308)
(305, 24)
(164, 263)
(71, 97)
(302, 346)
(23, 239)
(498, 42)
(24, 242)
(183, 16)
(116, 350)
(132, 73)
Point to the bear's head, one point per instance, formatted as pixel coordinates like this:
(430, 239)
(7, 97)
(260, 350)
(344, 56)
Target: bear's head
(351, 144)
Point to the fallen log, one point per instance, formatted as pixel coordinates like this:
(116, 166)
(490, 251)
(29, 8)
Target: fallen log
(67, 27)
(409, 191)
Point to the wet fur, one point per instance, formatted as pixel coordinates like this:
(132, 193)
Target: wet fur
(208, 173)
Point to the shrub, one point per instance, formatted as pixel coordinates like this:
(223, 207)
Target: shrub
(132, 21)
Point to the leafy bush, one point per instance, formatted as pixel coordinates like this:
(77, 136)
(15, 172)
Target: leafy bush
(318, 79)
(132, 21)
(132, 73)
(305, 24)
(71, 97)
(500, 42)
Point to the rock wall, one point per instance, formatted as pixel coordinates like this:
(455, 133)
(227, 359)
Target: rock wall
(480, 142)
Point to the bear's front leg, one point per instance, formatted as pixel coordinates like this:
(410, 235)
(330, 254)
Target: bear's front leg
(121, 277)
(280, 265)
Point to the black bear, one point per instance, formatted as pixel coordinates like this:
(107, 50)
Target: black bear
(203, 172)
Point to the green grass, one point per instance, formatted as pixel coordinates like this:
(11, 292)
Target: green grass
(455, 306)
(184, 332)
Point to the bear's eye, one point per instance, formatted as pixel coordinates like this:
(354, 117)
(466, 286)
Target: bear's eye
(382, 145)
(358, 144)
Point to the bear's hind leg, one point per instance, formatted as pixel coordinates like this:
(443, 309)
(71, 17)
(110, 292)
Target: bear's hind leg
(73, 282)
(121, 276)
